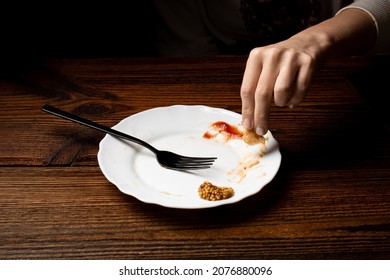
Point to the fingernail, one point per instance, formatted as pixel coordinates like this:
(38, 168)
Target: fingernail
(291, 106)
(260, 130)
(247, 124)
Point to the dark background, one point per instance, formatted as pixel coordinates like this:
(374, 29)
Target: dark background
(76, 29)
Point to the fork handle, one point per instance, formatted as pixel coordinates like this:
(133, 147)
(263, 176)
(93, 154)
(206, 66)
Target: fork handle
(69, 116)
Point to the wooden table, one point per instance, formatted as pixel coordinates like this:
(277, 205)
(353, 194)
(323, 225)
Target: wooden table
(329, 200)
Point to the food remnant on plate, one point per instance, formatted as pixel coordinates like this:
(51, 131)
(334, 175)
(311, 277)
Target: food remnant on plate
(228, 132)
(211, 192)
(223, 132)
(251, 138)
(245, 164)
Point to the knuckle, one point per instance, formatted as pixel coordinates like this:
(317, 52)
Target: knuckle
(262, 95)
(246, 91)
(247, 110)
(260, 53)
(307, 59)
(255, 53)
(282, 89)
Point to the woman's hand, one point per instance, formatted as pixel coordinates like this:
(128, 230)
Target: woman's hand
(283, 71)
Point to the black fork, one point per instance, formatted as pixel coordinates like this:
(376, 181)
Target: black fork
(165, 158)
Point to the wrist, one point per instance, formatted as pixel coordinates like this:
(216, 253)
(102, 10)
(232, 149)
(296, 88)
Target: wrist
(316, 42)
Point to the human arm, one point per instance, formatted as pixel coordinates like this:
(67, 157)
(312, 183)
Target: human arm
(283, 71)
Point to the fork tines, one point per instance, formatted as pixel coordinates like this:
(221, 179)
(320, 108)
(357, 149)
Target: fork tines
(195, 162)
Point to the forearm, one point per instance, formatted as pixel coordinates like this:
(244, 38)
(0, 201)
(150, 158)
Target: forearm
(351, 32)
(379, 10)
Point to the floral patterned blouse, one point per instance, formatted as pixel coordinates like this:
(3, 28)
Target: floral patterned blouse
(274, 20)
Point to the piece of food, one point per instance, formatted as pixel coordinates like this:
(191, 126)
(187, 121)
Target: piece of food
(251, 138)
(211, 192)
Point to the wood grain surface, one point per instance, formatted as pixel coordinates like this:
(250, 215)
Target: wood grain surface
(329, 200)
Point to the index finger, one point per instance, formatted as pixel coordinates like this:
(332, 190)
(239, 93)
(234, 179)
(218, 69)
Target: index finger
(263, 97)
(248, 89)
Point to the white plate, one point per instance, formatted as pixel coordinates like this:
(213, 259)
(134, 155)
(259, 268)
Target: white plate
(135, 171)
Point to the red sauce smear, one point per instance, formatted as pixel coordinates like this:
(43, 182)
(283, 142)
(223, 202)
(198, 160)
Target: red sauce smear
(231, 131)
